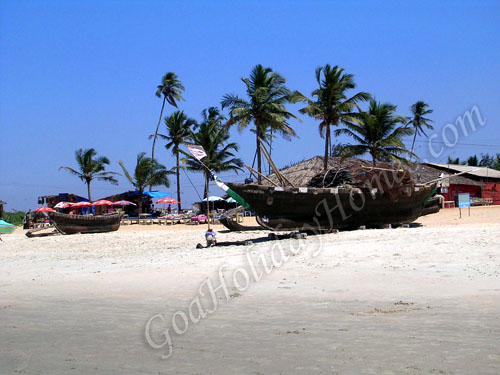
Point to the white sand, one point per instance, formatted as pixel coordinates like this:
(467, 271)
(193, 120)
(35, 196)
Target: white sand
(396, 301)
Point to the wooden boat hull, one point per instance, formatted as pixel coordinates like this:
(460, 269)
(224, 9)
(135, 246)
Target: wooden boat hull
(71, 224)
(338, 208)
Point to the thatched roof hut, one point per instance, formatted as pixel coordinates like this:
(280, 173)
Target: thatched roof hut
(300, 174)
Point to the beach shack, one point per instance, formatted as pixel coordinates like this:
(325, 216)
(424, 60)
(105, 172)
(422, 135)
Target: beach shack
(482, 184)
(52, 200)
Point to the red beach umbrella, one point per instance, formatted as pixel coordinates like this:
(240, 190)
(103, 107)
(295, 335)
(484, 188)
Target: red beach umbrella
(44, 209)
(82, 204)
(102, 202)
(167, 200)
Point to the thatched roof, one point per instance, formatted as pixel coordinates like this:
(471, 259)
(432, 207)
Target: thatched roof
(301, 173)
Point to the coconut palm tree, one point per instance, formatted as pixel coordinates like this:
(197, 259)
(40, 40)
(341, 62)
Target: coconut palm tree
(332, 105)
(377, 133)
(214, 138)
(147, 172)
(171, 89)
(418, 121)
(265, 107)
(178, 132)
(91, 168)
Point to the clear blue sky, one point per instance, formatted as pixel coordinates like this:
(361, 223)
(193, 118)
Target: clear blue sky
(79, 74)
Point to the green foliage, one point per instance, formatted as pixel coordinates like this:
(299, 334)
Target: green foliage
(171, 89)
(15, 217)
(332, 105)
(147, 172)
(377, 133)
(214, 138)
(91, 168)
(419, 110)
(265, 107)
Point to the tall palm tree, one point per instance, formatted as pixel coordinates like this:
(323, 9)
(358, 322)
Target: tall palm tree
(265, 107)
(377, 133)
(147, 172)
(91, 168)
(418, 121)
(178, 132)
(171, 89)
(214, 138)
(332, 105)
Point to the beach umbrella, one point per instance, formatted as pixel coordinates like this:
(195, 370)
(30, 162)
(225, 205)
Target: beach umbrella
(231, 200)
(213, 198)
(82, 204)
(102, 202)
(44, 209)
(63, 205)
(6, 227)
(167, 200)
(123, 203)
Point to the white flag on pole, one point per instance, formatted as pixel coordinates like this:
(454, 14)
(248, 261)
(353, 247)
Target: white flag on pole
(197, 151)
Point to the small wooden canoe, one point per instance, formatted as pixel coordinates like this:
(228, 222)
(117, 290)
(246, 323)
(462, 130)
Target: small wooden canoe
(70, 224)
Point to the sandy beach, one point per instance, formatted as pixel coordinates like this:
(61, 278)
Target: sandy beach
(420, 300)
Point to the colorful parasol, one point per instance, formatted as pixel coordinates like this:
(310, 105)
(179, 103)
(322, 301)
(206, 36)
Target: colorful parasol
(44, 209)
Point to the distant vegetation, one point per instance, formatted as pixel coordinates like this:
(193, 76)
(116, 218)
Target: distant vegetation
(15, 217)
(485, 160)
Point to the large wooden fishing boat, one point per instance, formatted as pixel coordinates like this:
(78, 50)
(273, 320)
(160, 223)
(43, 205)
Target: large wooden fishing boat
(305, 208)
(70, 224)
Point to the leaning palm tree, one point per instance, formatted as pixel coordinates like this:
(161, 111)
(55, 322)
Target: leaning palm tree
(332, 105)
(214, 138)
(147, 172)
(265, 107)
(377, 133)
(171, 89)
(178, 132)
(418, 121)
(91, 168)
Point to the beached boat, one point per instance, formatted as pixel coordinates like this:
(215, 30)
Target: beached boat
(70, 224)
(303, 208)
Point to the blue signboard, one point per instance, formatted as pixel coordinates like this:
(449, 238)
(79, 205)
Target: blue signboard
(464, 200)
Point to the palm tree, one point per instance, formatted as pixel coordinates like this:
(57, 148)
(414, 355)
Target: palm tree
(171, 89)
(419, 110)
(213, 137)
(147, 172)
(265, 107)
(178, 132)
(332, 105)
(91, 168)
(377, 133)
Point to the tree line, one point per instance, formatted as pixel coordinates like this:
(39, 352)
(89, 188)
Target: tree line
(335, 104)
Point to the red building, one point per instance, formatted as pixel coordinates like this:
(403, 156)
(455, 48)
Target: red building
(481, 183)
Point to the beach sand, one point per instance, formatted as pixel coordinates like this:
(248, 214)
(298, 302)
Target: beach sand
(421, 300)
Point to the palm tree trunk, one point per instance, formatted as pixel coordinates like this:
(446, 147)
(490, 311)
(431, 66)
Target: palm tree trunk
(413, 144)
(139, 204)
(327, 142)
(178, 184)
(206, 197)
(88, 191)
(157, 129)
(259, 156)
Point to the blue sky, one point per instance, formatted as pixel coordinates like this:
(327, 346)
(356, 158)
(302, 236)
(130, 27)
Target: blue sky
(79, 74)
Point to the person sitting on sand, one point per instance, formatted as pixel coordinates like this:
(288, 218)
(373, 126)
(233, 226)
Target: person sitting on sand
(210, 237)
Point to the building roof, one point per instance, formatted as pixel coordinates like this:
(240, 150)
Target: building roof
(301, 173)
(481, 172)
(423, 173)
